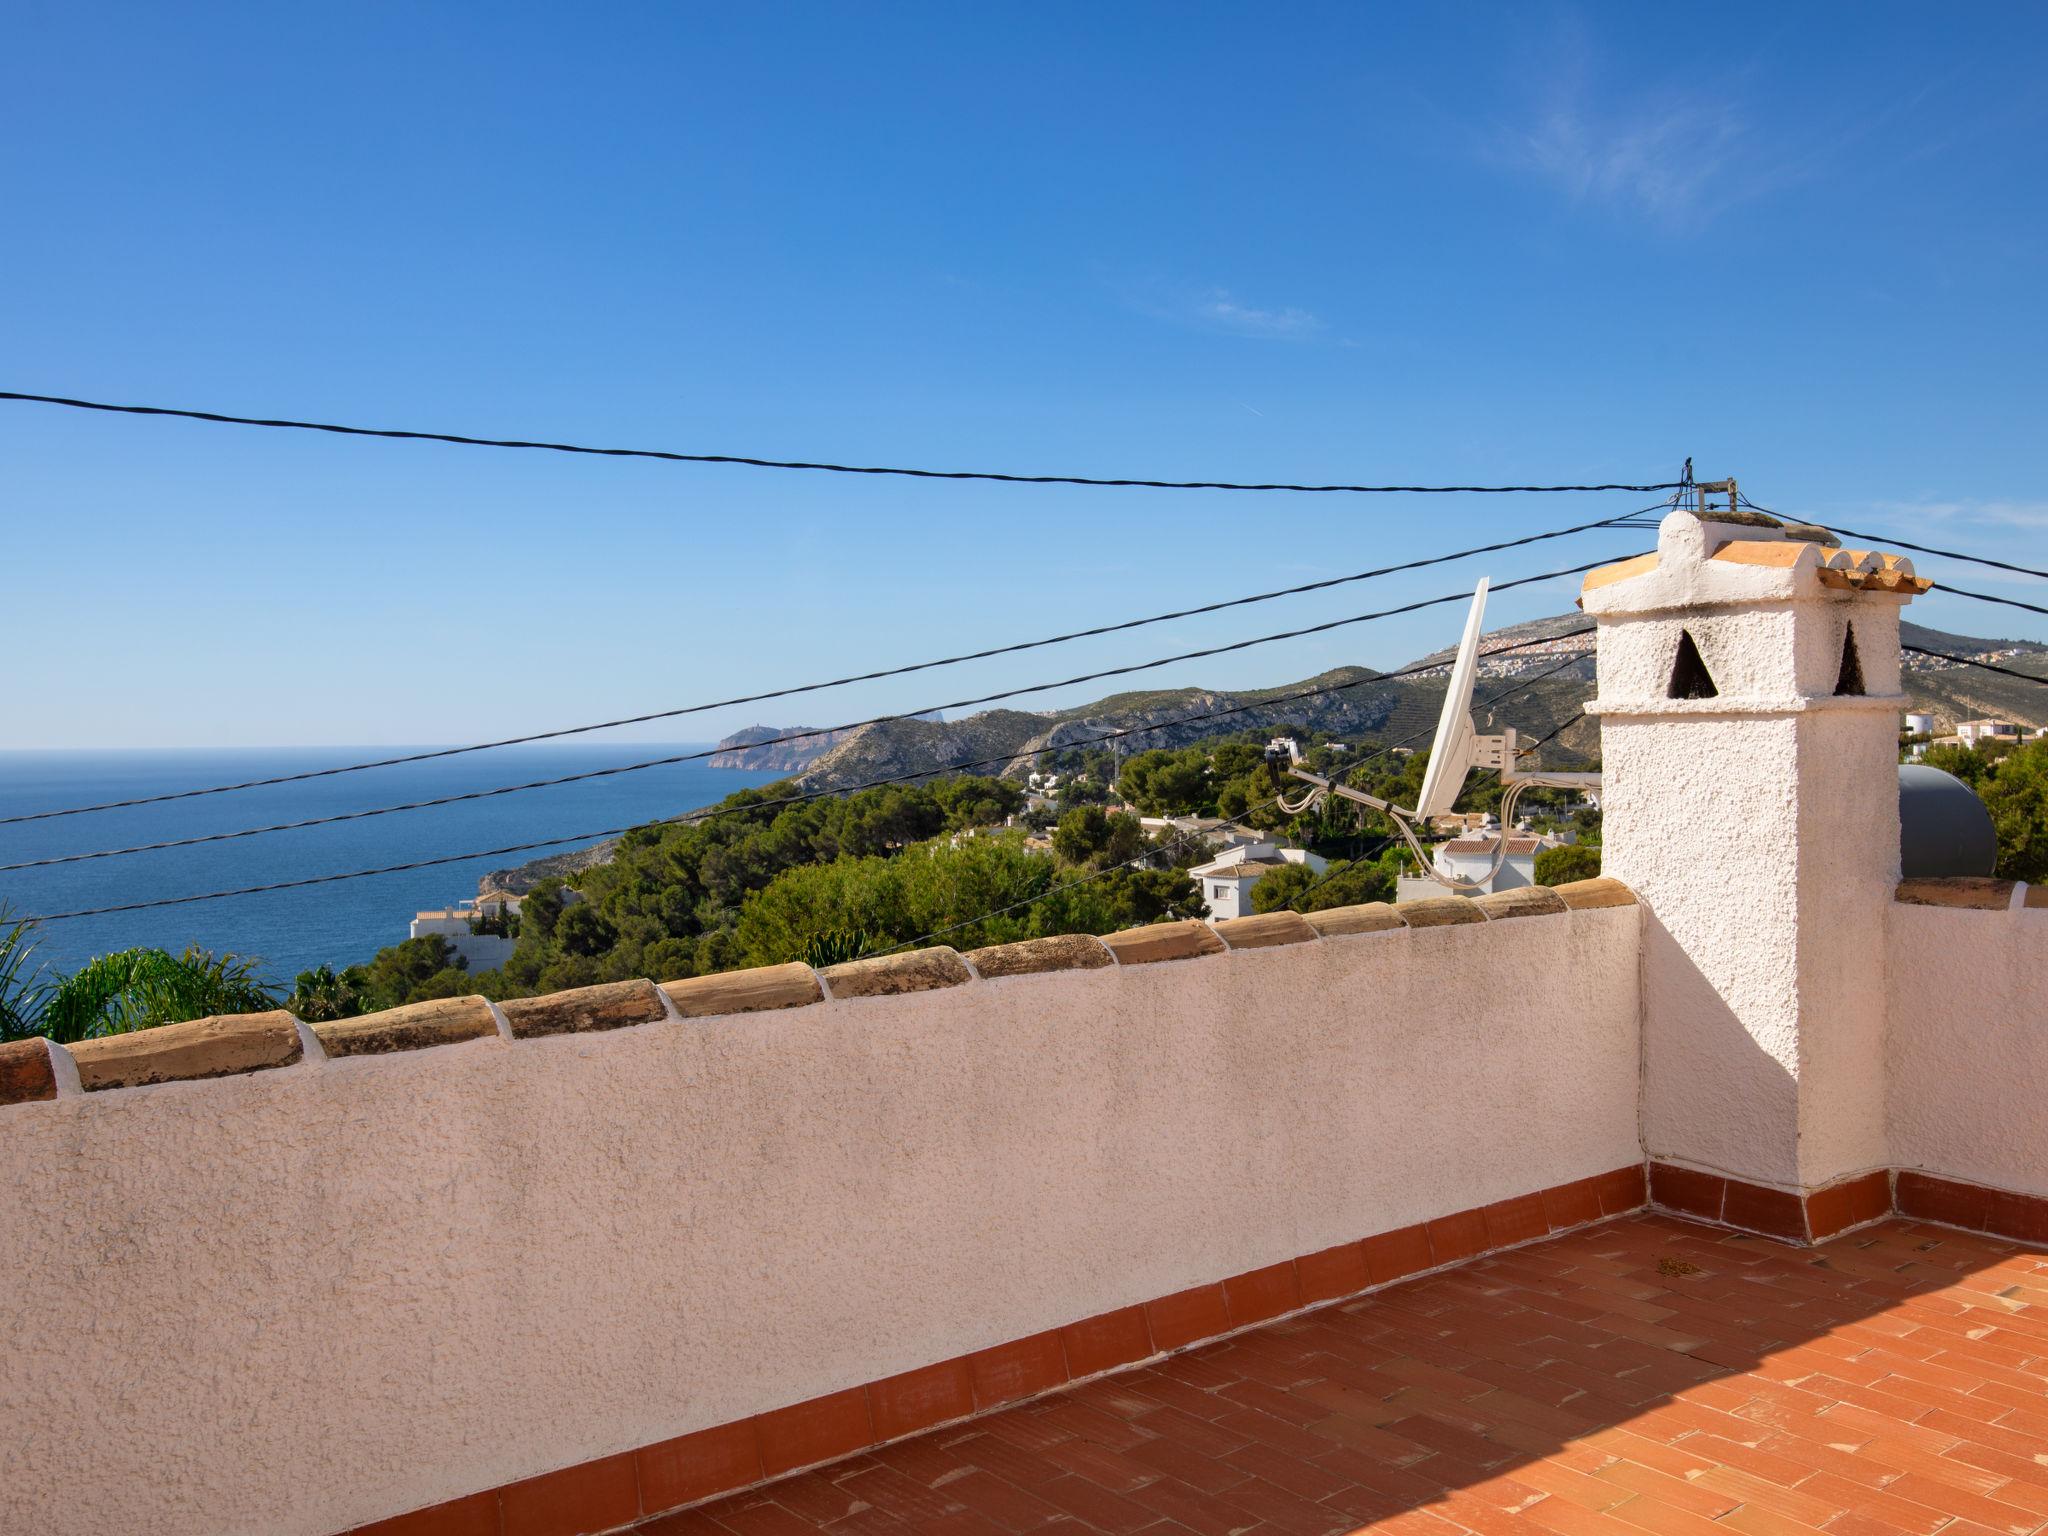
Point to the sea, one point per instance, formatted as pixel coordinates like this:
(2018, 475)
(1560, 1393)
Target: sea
(340, 923)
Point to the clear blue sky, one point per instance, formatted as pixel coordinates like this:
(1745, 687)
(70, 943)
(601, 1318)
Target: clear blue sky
(1511, 242)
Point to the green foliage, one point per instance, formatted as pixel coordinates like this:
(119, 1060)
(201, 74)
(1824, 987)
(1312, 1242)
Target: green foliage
(2016, 793)
(401, 973)
(1346, 883)
(2012, 781)
(323, 994)
(141, 988)
(23, 991)
(835, 946)
(1561, 866)
(1170, 783)
(1091, 836)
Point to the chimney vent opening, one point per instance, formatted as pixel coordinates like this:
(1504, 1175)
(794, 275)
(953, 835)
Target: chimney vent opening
(1690, 678)
(1849, 681)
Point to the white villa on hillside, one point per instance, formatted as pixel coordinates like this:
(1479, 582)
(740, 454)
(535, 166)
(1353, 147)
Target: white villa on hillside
(1226, 881)
(482, 951)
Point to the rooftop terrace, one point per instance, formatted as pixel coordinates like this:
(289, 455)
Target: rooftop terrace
(1495, 1215)
(1645, 1374)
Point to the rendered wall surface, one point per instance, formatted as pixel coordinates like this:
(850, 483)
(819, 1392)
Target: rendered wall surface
(1968, 1047)
(296, 1300)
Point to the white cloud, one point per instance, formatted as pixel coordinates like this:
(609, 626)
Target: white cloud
(1679, 161)
(1223, 310)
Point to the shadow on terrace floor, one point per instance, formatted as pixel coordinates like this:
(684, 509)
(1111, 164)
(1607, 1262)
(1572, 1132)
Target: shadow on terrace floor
(1645, 1375)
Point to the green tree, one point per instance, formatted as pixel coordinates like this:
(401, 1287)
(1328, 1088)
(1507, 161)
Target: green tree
(323, 993)
(398, 974)
(2016, 794)
(1168, 783)
(1573, 861)
(140, 988)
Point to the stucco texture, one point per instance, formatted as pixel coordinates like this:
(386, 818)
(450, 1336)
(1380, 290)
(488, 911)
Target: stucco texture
(1968, 1049)
(305, 1298)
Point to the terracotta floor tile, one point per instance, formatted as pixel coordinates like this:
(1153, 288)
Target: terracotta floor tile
(1892, 1383)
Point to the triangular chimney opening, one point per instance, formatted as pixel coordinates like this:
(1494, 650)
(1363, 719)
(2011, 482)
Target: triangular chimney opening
(1849, 682)
(1690, 678)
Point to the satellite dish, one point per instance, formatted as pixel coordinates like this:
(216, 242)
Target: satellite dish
(1452, 754)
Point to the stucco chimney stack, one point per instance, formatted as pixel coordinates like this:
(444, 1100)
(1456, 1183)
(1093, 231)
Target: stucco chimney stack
(1749, 698)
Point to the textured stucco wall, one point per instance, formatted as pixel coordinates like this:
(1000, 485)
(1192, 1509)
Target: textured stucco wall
(1968, 1049)
(292, 1301)
(1759, 828)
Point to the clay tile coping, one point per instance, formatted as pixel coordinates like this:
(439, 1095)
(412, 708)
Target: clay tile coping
(610, 1005)
(1265, 930)
(917, 970)
(2037, 896)
(794, 985)
(213, 1047)
(1163, 941)
(1062, 952)
(25, 1071)
(1621, 570)
(443, 1021)
(1520, 901)
(1441, 911)
(1776, 552)
(1600, 891)
(1371, 917)
(1975, 891)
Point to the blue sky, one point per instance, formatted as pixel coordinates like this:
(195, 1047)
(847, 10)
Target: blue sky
(1483, 243)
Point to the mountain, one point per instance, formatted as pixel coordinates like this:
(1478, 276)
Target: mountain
(1364, 704)
(1006, 741)
(742, 748)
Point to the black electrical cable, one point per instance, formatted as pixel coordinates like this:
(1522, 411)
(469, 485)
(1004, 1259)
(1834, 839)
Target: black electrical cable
(1925, 549)
(1986, 597)
(1967, 661)
(1147, 857)
(756, 463)
(717, 812)
(837, 682)
(1522, 686)
(1154, 852)
(688, 757)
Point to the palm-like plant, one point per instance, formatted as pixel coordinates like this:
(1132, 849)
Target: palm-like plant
(23, 991)
(128, 989)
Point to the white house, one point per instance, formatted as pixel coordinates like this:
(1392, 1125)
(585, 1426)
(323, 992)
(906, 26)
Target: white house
(1226, 881)
(482, 951)
(1970, 732)
(1919, 723)
(1471, 858)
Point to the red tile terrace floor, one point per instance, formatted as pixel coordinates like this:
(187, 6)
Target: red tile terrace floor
(1646, 1375)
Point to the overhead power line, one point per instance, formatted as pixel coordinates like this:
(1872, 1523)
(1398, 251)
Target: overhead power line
(837, 682)
(1946, 554)
(1986, 597)
(1523, 685)
(1182, 839)
(1971, 661)
(757, 463)
(1925, 549)
(716, 812)
(688, 757)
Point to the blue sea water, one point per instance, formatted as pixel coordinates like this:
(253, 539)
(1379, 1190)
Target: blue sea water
(340, 923)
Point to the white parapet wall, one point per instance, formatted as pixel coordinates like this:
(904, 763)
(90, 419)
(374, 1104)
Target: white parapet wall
(1967, 1055)
(299, 1299)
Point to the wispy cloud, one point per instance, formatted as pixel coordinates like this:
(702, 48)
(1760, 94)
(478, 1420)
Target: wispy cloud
(1225, 311)
(1995, 514)
(1212, 308)
(1679, 162)
(1675, 152)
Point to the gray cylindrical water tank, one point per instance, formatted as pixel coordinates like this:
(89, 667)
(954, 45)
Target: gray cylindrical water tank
(1944, 828)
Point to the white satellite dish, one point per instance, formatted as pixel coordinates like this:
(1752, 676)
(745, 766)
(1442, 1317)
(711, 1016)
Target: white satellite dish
(1457, 750)
(1452, 754)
